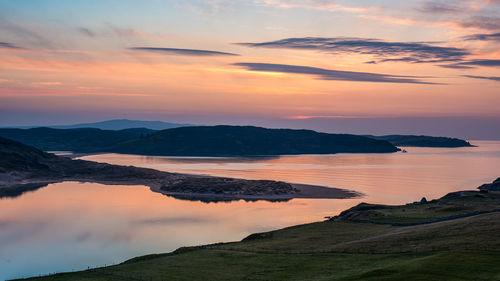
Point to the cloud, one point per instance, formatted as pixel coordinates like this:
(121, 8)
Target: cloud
(482, 22)
(494, 78)
(183, 52)
(391, 51)
(434, 7)
(322, 5)
(473, 63)
(483, 37)
(29, 35)
(456, 66)
(85, 31)
(8, 46)
(328, 74)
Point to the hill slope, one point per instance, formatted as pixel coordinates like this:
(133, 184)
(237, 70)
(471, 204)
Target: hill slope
(197, 141)
(77, 140)
(248, 140)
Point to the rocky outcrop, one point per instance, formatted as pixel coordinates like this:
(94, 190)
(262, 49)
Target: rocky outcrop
(494, 186)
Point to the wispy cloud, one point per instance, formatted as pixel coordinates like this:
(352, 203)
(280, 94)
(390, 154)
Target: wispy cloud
(435, 7)
(8, 45)
(322, 5)
(389, 51)
(494, 78)
(483, 37)
(86, 31)
(110, 30)
(328, 74)
(29, 35)
(481, 22)
(473, 63)
(46, 83)
(182, 52)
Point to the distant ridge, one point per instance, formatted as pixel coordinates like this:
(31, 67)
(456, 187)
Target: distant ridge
(113, 125)
(121, 124)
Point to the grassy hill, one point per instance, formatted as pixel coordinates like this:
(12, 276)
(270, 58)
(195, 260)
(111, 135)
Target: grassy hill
(78, 140)
(342, 248)
(197, 141)
(248, 140)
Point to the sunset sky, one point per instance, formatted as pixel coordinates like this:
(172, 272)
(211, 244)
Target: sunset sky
(219, 61)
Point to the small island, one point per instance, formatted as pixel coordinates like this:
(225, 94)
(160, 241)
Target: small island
(24, 168)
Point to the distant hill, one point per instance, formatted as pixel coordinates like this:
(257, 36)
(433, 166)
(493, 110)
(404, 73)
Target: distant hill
(121, 124)
(422, 141)
(78, 140)
(248, 140)
(198, 141)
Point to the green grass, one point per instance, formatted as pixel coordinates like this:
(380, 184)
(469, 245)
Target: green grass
(460, 249)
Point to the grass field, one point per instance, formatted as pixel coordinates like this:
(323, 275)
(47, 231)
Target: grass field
(459, 249)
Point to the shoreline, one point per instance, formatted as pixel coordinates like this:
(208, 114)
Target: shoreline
(304, 191)
(384, 233)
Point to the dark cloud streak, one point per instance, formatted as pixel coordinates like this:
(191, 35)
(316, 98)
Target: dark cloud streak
(86, 31)
(493, 78)
(328, 74)
(8, 46)
(483, 37)
(473, 63)
(482, 22)
(417, 52)
(183, 52)
(440, 8)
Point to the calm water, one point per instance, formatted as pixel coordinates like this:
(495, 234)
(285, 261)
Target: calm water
(70, 226)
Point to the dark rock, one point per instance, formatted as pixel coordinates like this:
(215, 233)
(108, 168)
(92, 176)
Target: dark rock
(494, 186)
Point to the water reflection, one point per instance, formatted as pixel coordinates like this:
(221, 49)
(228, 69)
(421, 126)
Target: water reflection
(393, 178)
(71, 225)
(207, 199)
(75, 225)
(20, 189)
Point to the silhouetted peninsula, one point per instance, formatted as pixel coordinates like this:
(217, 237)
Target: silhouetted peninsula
(24, 168)
(422, 141)
(198, 141)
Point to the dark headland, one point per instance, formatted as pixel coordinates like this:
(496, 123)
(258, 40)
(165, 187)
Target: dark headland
(197, 141)
(451, 238)
(422, 141)
(24, 168)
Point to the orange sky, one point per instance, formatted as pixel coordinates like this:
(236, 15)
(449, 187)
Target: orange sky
(80, 57)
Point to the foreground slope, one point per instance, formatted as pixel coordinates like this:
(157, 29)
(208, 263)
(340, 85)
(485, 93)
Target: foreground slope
(342, 248)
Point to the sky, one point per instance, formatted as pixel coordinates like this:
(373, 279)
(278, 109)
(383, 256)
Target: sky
(266, 62)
